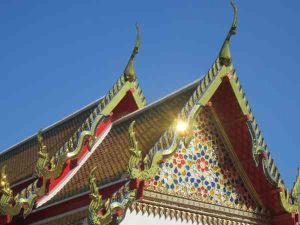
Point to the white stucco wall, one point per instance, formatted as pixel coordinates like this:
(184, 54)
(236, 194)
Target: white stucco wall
(133, 218)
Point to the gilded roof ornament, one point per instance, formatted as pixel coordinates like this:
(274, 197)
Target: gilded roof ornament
(11, 205)
(7, 198)
(146, 168)
(295, 192)
(96, 216)
(129, 71)
(4, 184)
(225, 55)
(136, 161)
(47, 167)
(104, 213)
(41, 145)
(290, 201)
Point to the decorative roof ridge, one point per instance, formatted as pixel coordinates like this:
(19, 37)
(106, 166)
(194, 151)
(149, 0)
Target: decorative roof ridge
(53, 125)
(260, 147)
(260, 150)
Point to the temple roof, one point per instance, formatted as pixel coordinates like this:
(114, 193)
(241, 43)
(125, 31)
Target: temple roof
(112, 155)
(219, 89)
(21, 158)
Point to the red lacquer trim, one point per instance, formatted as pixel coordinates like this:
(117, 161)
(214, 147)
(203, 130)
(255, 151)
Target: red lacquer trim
(71, 164)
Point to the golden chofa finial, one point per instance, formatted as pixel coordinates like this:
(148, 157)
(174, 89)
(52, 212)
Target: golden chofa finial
(295, 192)
(129, 71)
(40, 139)
(4, 184)
(225, 55)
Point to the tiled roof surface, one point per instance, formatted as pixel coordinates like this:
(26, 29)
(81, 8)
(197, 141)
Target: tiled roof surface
(21, 158)
(112, 155)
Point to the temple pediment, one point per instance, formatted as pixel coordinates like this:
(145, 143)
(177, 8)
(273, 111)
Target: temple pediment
(203, 169)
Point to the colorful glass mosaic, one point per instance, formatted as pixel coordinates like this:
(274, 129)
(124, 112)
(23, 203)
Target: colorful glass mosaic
(203, 169)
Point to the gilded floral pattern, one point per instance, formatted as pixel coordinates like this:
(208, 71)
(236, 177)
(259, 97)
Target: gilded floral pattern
(203, 169)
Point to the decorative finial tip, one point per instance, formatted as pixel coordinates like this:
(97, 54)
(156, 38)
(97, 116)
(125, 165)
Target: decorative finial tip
(234, 23)
(225, 55)
(138, 39)
(3, 170)
(129, 70)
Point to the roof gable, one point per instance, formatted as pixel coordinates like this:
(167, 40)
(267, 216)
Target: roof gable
(221, 91)
(111, 157)
(203, 170)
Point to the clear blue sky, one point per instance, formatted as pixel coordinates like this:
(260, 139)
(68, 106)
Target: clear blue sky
(57, 56)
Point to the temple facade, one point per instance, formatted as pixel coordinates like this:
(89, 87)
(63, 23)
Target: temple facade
(196, 156)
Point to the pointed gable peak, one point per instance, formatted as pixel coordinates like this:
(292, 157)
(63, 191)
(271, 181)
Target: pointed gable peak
(225, 55)
(129, 72)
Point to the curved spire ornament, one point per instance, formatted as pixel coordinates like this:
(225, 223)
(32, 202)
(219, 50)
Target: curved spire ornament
(129, 71)
(95, 216)
(290, 201)
(51, 168)
(225, 55)
(295, 192)
(113, 208)
(11, 205)
(136, 160)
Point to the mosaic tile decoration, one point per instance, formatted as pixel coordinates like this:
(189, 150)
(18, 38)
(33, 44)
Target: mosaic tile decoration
(203, 170)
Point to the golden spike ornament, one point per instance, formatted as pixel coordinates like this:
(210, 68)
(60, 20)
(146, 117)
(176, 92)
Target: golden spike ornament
(129, 71)
(114, 208)
(136, 160)
(46, 167)
(95, 216)
(225, 55)
(290, 201)
(295, 192)
(10, 205)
